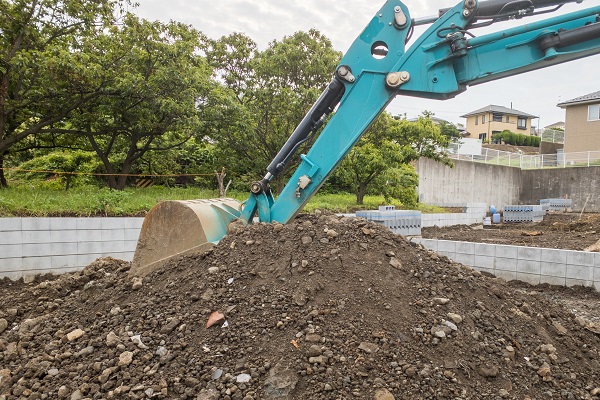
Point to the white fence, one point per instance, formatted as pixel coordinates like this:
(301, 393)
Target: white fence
(553, 136)
(528, 161)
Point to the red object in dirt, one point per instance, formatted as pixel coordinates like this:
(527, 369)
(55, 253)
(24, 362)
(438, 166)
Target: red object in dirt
(215, 318)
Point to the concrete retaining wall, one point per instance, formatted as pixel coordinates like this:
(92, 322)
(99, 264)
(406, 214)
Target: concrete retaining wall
(501, 185)
(31, 246)
(528, 264)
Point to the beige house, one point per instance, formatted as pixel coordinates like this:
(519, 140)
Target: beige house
(483, 123)
(582, 123)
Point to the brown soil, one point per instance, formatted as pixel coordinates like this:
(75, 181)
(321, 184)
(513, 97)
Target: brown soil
(325, 307)
(513, 149)
(556, 231)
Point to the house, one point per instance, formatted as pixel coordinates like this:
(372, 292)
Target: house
(484, 122)
(582, 123)
(560, 125)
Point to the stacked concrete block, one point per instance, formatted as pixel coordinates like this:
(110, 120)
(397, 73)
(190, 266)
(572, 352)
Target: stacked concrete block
(556, 204)
(30, 246)
(528, 264)
(473, 213)
(401, 222)
(523, 213)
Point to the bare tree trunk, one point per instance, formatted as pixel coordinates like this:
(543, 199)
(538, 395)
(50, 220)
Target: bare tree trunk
(361, 192)
(3, 182)
(220, 181)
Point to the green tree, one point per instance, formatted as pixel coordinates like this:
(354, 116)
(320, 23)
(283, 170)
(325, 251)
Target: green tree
(39, 73)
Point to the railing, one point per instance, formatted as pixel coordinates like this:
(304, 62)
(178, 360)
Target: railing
(528, 161)
(553, 136)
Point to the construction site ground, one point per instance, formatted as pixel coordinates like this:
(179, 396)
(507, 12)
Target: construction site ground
(324, 307)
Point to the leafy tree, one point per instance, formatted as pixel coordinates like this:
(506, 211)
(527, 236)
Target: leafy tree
(39, 73)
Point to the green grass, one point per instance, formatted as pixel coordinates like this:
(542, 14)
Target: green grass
(91, 201)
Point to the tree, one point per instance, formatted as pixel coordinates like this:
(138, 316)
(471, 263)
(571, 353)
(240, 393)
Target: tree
(37, 68)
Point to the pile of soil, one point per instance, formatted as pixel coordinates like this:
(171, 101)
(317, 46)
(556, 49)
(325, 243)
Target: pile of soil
(325, 307)
(556, 231)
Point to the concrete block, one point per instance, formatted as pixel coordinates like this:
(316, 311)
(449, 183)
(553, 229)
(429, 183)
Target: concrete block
(113, 234)
(549, 269)
(580, 258)
(66, 236)
(482, 249)
(449, 254)
(11, 251)
(10, 265)
(89, 223)
(465, 259)
(447, 246)
(14, 275)
(131, 234)
(581, 272)
(36, 263)
(506, 264)
(112, 223)
(507, 251)
(10, 224)
(37, 249)
(486, 262)
(487, 270)
(84, 260)
(110, 247)
(529, 253)
(553, 280)
(506, 275)
(63, 224)
(465, 247)
(41, 236)
(60, 249)
(90, 235)
(129, 245)
(528, 267)
(61, 261)
(533, 279)
(597, 274)
(10, 237)
(554, 256)
(597, 285)
(578, 282)
(35, 224)
(125, 256)
(597, 259)
(89, 248)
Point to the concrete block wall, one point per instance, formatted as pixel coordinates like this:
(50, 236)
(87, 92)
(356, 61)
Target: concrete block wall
(533, 265)
(473, 214)
(31, 246)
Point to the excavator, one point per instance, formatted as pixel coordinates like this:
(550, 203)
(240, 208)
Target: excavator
(440, 64)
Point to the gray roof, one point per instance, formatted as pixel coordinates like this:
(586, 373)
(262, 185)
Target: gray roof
(499, 109)
(588, 98)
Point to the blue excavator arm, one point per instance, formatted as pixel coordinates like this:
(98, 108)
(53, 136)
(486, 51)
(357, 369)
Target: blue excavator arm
(441, 63)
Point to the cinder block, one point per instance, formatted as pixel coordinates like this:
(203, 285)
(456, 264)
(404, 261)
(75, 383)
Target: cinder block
(64, 249)
(529, 253)
(482, 249)
(430, 244)
(90, 235)
(15, 275)
(10, 224)
(61, 261)
(597, 274)
(36, 263)
(580, 272)
(89, 248)
(578, 282)
(506, 275)
(533, 279)
(554, 256)
(597, 285)
(486, 262)
(10, 237)
(10, 265)
(553, 280)
(66, 236)
(528, 267)
(465, 259)
(447, 246)
(37, 250)
(506, 264)
(84, 260)
(89, 223)
(580, 258)
(129, 246)
(35, 224)
(112, 223)
(507, 251)
(597, 259)
(111, 247)
(11, 251)
(465, 247)
(113, 234)
(63, 224)
(549, 269)
(449, 254)
(41, 236)
(131, 234)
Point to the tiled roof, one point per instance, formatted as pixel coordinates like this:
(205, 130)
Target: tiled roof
(582, 99)
(499, 109)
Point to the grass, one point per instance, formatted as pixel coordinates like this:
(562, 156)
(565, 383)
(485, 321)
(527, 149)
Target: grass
(91, 201)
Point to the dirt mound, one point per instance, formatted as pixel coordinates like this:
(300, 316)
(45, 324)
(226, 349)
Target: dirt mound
(322, 308)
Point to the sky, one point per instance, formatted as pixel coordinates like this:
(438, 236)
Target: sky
(537, 92)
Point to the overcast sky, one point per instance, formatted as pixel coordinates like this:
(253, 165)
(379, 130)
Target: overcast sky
(535, 92)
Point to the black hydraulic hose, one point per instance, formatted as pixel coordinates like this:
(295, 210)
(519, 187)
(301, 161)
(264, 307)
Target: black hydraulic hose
(571, 37)
(311, 122)
(490, 8)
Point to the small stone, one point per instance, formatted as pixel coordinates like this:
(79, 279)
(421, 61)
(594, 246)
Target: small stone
(488, 371)
(306, 239)
(457, 319)
(85, 351)
(112, 339)
(53, 371)
(161, 351)
(77, 395)
(313, 337)
(383, 394)
(595, 391)
(137, 340)
(3, 325)
(548, 348)
(544, 370)
(368, 347)
(242, 378)
(217, 374)
(213, 270)
(137, 283)
(328, 387)
(125, 358)
(441, 300)
(76, 334)
(332, 234)
(395, 263)
(63, 392)
(561, 329)
(314, 351)
(317, 360)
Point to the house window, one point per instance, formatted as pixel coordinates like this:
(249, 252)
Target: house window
(497, 117)
(482, 136)
(483, 119)
(594, 112)
(507, 119)
(477, 120)
(522, 123)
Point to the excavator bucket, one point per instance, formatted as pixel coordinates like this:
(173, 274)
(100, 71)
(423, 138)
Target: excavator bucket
(182, 227)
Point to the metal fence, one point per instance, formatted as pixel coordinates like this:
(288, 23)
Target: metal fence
(553, 136)
(528, 161)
